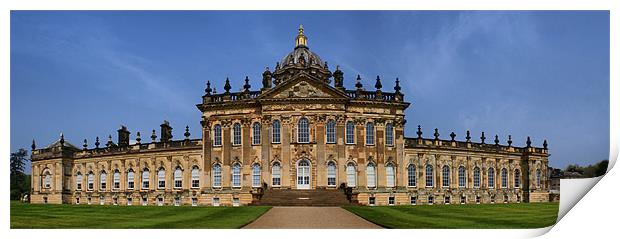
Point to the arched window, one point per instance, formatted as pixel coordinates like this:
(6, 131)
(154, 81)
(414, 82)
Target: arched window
(370, 133)
(330, 133)
(504, 178)
(389, 173)
(195, 177)
(538, 176)
(517, 178)
(351, 175)
(103, 180)
(303, 131)
(90, 180)
(331, 174)
(237, 134)
(130, 179)
(411, 177)
(445, 176)
(350, 134)
(178, 177)
(371, 176)
(78, 181)
(256, 133)
(275, 174)
(491, 178)
(429, 176)
(255, 175)
(462, 181)
(47, 179)
(476, 177)
(236, 175)
(389, 134)
(116, 178)
(275, 131)
(217, 175)
(146, 175)
(161, 178)
(217, 135)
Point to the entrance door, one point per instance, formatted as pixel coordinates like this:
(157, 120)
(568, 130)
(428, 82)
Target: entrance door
(303, 174)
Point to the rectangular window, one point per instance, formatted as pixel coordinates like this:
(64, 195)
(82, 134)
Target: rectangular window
(194, 202)
(177, 201)
(178, 183)
(331, 132)
(413, 200)
(446, 200)
(431, 200)
(371, 201)
(235, 202)
(463, 199)
(370, 134)
(77, 200)
(115, 201)
(216, 202)
(160, 201)
(256, 134)
(275, 175)
(389, 135)
(275, 132)
(217, 176)
(129, 201)
(89, 200)
(217, 135)
(101, 200)
(477, 199)
(391, 200)
(237, 134)
(145, 201)
(236, 176)
(350, 134)
(79, 186)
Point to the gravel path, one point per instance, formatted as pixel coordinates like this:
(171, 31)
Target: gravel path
(309, 217)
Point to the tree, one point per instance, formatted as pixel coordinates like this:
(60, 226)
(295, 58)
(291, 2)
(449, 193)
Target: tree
(19, 180)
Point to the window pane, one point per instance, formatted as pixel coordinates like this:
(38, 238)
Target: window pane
(276, 132)
(331, 174)
(256, 175)
(411, 177)
(303, 134)
(445, 176)
(491, 178)
(256, 133)
(350, 135)
(351, 175)
(236, 175)
(462, 177)
(371, 176)
(217, 135)
(275, 174)
(429, 176)
(389, 134)
(237, 134)
(217, 175)
(331, 131)
(195, 177)
(370, 133)
(476, 177)
(389, 172)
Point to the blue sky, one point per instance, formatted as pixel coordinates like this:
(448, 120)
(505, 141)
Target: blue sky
(542, 74)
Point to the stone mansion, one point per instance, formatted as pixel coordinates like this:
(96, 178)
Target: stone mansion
(303, 130)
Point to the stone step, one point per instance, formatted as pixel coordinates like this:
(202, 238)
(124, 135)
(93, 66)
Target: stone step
(295, 197)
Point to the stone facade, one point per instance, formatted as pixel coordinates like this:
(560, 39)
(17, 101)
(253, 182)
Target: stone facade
(298, 132)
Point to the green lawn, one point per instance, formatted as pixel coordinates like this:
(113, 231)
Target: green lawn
(91, 216)
(524, 215)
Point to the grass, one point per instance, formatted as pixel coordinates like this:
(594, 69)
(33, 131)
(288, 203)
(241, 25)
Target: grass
(524, 215)
(95, 216)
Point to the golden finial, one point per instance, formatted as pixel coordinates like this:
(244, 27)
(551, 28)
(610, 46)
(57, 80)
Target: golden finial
(301, 39)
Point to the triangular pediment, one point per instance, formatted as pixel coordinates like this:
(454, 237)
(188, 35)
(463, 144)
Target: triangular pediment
(303, 86)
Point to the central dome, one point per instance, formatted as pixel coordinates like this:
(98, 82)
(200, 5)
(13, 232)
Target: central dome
(302, 55)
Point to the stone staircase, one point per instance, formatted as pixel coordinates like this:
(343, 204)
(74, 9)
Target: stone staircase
(294, 197)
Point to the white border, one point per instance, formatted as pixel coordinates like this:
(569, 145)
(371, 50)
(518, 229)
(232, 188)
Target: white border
(594, 216)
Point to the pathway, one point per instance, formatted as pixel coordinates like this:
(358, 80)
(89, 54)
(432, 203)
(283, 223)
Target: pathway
(309, 218)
